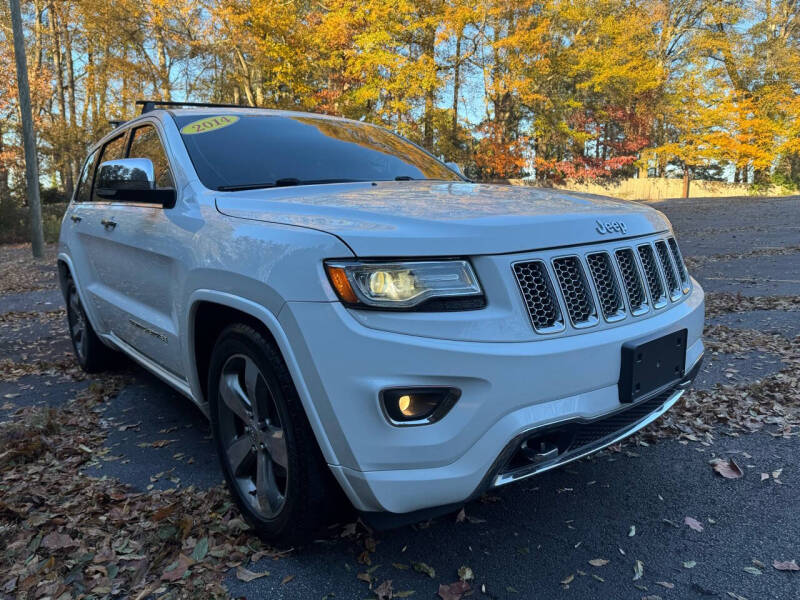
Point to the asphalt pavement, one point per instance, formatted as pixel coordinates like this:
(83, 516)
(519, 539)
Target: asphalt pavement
(533, 539)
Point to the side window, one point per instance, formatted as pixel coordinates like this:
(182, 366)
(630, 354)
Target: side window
(113, 150)
(146, 144)
(84, 191)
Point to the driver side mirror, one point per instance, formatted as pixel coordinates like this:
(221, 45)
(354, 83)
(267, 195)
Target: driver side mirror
(131, 180)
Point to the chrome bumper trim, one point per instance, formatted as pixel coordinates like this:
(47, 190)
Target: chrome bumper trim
(506, 478)
(568, 457)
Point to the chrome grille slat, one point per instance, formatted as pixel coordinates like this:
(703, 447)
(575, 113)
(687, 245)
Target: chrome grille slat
(539, 296)
(669, 270)
(575, 291)
(653, 276)
(601, 285)
(634, 287)
(605, 283)
(678, 258)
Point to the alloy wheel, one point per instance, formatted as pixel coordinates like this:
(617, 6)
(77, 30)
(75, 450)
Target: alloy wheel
(77, 323)
(252, 436)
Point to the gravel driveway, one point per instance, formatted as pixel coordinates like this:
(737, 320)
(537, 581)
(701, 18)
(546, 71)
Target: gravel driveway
(534, 539)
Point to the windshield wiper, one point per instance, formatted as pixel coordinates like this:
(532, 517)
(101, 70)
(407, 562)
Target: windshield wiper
(245, 186)
(284, 182)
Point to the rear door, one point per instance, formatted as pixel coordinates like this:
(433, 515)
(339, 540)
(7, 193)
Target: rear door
(139, 262)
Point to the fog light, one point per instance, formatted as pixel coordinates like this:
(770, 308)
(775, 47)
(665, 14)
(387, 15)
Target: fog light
(417, 406)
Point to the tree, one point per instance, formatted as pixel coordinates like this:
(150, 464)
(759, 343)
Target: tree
(29, 134)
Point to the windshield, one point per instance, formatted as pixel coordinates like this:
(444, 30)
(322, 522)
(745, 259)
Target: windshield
(231, 152)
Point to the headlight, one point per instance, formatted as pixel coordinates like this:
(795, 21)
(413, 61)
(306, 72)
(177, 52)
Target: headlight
(435, 284)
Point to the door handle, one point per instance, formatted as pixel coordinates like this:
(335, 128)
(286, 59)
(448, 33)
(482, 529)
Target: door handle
(75, 218)
(108, 223)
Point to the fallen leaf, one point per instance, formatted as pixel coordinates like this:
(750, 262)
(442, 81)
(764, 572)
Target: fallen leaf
(689, 564)
(421, 567)
(57, 541)
(200, 550)
(177, 569)
(753, 570)
(638, 570)
(777, 473)
(693, 523)
(632, 531)
(598, 562)
(454, 591)
(247, 575)
(764, 476)
(567, 580)
(787, 565)
(461, 516)
(665, 584)
(465, 574)
(384, 590)
(287, 579)
(727, 468)
(365, 577)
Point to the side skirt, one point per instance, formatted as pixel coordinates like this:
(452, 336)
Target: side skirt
(178, 383)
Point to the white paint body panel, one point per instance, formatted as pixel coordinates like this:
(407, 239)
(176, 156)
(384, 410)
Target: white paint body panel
(262, 252)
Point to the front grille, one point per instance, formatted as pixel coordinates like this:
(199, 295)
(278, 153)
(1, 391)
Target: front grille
(678, 258)
(540, 299)
(666, 264)
(652, 275)
(605, 282)
(632, 280)
(582, 289)
(575, 289)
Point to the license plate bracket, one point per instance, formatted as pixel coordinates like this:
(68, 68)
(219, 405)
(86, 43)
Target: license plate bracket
(651, 364)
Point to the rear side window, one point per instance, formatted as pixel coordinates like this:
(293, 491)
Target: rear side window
(146, 144)
(84, 191)
(113, 150)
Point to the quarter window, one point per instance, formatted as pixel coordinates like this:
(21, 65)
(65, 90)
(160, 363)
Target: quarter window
(146, 144)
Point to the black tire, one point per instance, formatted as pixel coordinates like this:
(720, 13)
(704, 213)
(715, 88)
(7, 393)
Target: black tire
(92, 354)
(298, 499)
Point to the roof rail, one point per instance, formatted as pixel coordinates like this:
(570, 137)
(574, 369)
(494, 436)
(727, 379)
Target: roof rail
(149, 105)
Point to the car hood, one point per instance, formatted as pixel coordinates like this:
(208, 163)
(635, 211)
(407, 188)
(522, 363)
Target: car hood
(427, 218)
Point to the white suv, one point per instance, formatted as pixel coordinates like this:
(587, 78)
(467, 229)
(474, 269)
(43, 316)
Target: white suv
(354, 315)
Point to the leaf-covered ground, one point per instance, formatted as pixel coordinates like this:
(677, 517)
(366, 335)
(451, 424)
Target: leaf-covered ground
(109, 486)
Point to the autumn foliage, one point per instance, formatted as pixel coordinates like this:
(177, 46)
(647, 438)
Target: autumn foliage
(554, 90)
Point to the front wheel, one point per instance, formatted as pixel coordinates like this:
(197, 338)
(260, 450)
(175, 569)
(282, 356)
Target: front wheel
(269, 455)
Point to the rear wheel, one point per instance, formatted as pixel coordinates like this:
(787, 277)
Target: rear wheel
(93, 356)
(269, 455)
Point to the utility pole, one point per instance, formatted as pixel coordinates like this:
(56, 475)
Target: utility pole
(28, 133)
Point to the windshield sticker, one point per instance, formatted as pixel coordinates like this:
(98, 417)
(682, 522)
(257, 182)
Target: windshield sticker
(208, 124)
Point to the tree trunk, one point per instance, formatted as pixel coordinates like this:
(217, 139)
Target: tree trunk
(428, 50)
(686, 179)
(163, 69)
(456, 90)
(61, 151)
(28, 133)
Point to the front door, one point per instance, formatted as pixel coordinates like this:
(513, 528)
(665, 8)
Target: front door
(136, 253)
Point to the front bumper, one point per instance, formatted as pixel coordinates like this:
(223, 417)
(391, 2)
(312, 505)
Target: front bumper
(509, 392)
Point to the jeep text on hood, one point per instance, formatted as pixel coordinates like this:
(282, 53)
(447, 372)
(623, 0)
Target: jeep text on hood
(446, 218)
